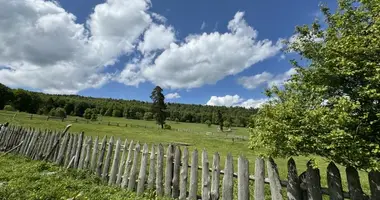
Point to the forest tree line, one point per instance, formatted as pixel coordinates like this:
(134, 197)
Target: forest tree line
(90, 107)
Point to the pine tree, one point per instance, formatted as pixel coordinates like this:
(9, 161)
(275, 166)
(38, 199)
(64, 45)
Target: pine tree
(158, 106)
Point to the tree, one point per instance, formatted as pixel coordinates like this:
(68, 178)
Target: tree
(60, 112)
(69, 108)
(117, 113)
(9, 108)
(220, 120)
(158, 106)
(22, 100)
(88, 113)
(148, 116)
(330, 107)
(6, 95)
(208, 122)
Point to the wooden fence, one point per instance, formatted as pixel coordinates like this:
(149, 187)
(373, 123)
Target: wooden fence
(134, 167)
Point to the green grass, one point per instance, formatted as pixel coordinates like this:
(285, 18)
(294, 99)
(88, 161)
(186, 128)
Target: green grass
(22, 178)
(199, 136)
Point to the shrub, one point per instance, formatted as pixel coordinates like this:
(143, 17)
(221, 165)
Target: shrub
(9, 108)
(60, 112)
(167, 126)
(208, 122)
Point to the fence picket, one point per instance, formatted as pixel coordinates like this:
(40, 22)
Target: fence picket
(227, 189)
(122, 163)
(169, 171)
(78, 150)
(243, 178)
(88, 153)
(293, 188)
(73, 147)
(193, 187)
(176, 169)
(62, 150)
(184, 174)
(107, 161)
(82, 153)
(274, 179)
(160, 172)
(142, 173)
(313, 183)
(68, 150)
(206, 184)
(374, 184)
(133, 174)
(94, 153)
(259, 179)
(334, 182)
(115, 164)
(215, 177)
(127, 168)
(152, 169)
(354, 186)
(99, 165)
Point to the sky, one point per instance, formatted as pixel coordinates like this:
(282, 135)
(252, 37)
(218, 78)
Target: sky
(213, 52)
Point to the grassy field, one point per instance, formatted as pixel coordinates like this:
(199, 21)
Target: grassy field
(199, 136)
(22, 178)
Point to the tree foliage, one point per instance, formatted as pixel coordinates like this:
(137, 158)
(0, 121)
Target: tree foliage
(158, 106)
(330, 107)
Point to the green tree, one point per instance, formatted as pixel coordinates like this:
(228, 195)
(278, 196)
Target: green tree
(22, 100)
(220, 120)
(208, 122)
(158, 106)
(148, 116)
(88, 113)
(9, 108)
(330, 107)
(69, 108)
(117, 113)
(6, 95)
(60, 112)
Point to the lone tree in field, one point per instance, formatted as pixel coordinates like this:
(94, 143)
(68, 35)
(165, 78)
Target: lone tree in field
(158, 106)
(331, 106)
(220, 120)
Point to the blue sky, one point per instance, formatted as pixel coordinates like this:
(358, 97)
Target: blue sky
(214, 52)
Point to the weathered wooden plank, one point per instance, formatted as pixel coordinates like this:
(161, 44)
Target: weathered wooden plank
(31, 144)
(259, 179)
(88, 153)
(313, 182)
(82, 153)
(293, 189)
(184, 174)
(68, 150)
(102, 151)
(334, 182)
(127, 168)
(133, 174)
(60, 158)
(169, 171)
(160, 171)
(55, 150)
(193, 187)
(206, 182)
(152, 169)
(107, 161)
(176, 171)
(78, 150)
(374, 184)
(42, 146)
(74, 148)
(274, 179)
(122, 163)
(115, 163)
(215, 177)
(227, 190)
(243, 178)
(94, 153)
(354, 187)
(142, 173)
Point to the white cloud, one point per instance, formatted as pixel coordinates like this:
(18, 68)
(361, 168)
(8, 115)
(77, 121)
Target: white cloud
(157, 37)
(235, 100)
(203, 26)
(159, 17)
(43, 47)
(208, 58)
(172, 96)
(252, 82)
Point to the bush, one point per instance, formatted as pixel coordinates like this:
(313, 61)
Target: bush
(60, 112)
(208, 122)
(9, 108)
(167, 126)
(88, 113)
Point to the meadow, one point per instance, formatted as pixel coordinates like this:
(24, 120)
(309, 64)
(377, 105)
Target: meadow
(197, 136)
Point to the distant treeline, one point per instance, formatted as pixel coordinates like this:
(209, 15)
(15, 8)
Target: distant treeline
(75, 105)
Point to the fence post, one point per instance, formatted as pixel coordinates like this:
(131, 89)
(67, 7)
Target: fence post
(227, 191)
(259, 179)
(374, 184)
(107, 160)
(142, 173)
(94, 154)
(101, 157)
(206, 185)
(293, 188)
(68, 149)
(274, 180)
(82, 153)
(62, 149)
(215, 177)
(313, 183)
(159, 172)
(169, 171)
(88, 153)
(334, 182)
(177, 164)
(193, 187)
(243, 178)
(73, 147)
(127, 168)
(132, 175)
(115, 164)
(78, 150)
(184, 174)
(152, 169)
(122, 163)
(354, 186)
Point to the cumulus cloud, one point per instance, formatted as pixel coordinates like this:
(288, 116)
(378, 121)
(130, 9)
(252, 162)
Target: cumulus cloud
(235, 100)
(265, 78)
(157, 37)
(42, 45)
(172, 96)
(209, 57)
